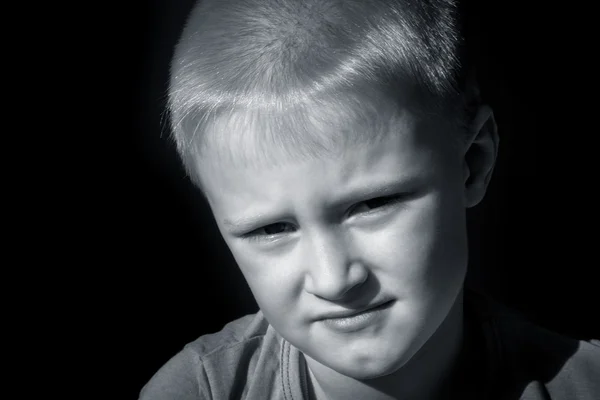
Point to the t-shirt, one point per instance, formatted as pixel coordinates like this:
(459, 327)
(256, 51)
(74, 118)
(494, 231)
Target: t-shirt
(516, 359)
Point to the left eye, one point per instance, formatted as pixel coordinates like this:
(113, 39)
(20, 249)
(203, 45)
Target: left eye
(376, 203)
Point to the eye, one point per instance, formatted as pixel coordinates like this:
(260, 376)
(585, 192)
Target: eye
(377, 203)
(270, 231)
(274, 229)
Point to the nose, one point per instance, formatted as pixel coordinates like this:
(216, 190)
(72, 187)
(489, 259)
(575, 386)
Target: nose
(332, 272)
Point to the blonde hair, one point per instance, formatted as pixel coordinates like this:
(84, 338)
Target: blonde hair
(292, 62)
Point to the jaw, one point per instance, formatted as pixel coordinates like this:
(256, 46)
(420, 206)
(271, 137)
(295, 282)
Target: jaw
(413, 378)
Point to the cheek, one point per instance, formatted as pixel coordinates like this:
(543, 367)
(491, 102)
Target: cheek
(272, 279)
(441, 233)
(423, 245)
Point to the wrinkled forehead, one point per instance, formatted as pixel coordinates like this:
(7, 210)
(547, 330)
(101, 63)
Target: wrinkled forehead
(245, 138)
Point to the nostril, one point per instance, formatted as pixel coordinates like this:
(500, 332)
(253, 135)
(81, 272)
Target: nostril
(337, 287)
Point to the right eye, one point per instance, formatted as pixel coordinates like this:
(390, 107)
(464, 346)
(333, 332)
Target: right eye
(270, 232)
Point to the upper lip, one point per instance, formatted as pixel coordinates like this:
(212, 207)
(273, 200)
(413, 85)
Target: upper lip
(346, 313)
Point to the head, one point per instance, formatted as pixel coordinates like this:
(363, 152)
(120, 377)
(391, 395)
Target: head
(338, 144)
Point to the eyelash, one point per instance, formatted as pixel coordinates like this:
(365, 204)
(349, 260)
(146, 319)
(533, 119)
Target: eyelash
(256, 235)
(388, 201)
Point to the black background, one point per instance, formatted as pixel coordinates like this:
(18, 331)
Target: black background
(176, 279)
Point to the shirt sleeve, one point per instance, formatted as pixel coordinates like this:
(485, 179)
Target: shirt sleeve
(181, 378)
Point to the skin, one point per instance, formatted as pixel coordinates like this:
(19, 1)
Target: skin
(370, 223)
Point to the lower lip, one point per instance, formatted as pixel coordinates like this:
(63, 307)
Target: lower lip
(359, 321)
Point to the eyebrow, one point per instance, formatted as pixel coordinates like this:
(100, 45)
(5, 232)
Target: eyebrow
(356, 195)
(246, 223)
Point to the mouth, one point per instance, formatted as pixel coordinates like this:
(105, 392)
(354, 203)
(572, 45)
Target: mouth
(351, 322)
(354, 313)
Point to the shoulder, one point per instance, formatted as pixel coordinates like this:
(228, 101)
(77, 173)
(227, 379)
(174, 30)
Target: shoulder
(536, 363)
(217, 365)
(565, 367)
(237, 333)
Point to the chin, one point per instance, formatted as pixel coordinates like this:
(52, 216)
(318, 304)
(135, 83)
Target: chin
(372, 367)
(363, 373)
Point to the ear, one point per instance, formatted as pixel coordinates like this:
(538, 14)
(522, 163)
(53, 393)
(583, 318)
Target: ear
(479, 155)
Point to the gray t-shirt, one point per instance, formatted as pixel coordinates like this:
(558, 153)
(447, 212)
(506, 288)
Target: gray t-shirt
(249, 360)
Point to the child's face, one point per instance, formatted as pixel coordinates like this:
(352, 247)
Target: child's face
(378, 224)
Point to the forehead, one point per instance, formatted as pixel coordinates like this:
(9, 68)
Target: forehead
(317, 188)
(264, 137)
(398, 143)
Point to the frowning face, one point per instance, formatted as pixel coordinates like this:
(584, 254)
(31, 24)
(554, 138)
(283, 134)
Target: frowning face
(356, 258)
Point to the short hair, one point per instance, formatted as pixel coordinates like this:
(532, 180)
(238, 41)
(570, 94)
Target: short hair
(293, 61)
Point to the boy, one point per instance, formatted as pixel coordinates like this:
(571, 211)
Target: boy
(338, 144)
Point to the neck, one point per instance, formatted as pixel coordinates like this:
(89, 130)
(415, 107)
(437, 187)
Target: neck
(428, 375)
